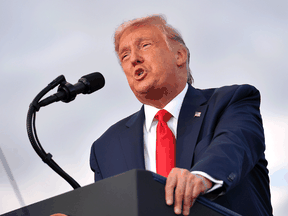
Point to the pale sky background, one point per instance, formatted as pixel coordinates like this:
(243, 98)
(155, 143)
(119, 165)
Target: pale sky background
(231, 42)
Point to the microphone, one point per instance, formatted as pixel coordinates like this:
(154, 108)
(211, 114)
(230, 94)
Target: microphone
(67, 92)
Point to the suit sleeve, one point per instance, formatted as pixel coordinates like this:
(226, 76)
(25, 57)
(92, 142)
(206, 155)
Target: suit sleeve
(94, 165)
(235, 138)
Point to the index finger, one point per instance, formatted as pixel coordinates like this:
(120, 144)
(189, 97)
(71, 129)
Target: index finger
(169, 188)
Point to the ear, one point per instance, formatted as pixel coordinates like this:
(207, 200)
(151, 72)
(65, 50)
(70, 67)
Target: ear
(181, 56)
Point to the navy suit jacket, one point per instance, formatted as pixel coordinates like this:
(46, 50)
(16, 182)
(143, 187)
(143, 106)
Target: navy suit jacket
(226, 142)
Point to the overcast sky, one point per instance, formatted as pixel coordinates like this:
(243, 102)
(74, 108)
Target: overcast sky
(231, 42)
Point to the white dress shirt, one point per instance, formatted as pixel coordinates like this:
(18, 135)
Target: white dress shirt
(149, 131)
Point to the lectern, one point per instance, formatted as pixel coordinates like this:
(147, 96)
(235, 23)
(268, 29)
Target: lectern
(136, 192)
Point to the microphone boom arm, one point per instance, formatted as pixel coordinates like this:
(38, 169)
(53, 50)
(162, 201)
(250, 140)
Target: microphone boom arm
(31, 130)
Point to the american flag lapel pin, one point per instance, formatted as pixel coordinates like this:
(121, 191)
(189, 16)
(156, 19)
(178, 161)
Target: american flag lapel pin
(197, 114)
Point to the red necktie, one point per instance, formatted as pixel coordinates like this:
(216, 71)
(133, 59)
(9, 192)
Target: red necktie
(165, 144)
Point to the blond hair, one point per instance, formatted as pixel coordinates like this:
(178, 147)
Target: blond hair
(160, 22)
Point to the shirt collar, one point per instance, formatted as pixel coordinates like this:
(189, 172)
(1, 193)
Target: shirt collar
(172, 107)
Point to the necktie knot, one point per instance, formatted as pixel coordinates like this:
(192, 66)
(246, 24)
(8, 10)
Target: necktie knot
(163, 115)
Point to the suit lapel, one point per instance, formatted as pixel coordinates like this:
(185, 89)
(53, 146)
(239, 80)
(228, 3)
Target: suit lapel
(189, 124)
(131, 140)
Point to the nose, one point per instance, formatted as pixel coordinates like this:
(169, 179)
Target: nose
(136, 58)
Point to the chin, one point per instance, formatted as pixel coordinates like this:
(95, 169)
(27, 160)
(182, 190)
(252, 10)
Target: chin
(142, 89)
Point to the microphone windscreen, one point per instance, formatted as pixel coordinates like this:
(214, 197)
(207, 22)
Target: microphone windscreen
(93, 82)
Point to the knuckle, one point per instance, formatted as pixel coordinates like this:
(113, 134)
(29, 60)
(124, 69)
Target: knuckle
(186, 203)
(174, 171)
(185, 171)
(186, 207)
(179, 192)
(191, 177)
(169, 187)
(187, 197)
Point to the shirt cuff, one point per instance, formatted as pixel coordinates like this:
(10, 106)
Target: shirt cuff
(217, 183)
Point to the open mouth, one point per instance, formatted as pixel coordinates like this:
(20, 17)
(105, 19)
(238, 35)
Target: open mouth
(139, 72)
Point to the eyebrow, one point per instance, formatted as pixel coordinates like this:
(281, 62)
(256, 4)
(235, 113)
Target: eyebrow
(124, 49)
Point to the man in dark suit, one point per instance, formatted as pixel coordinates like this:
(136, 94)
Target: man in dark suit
(217, 133)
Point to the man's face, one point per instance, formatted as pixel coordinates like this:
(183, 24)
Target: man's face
(148, 63)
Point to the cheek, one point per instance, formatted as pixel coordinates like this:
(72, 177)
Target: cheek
(165, 59)
(126, 70)
(130, 80)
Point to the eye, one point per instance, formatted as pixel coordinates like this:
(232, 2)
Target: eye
(124, 56)
(146, 45)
